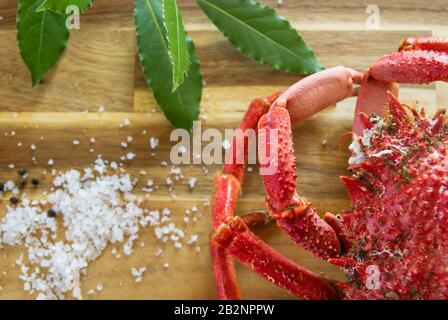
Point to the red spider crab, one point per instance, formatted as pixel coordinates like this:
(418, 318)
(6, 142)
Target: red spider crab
(398, 223)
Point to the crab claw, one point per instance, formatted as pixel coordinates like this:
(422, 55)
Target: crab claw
(416, 66)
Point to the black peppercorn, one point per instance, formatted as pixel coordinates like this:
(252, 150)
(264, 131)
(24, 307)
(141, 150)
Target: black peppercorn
(34, 182)
(2, 187)
(22, 172)
(51, 213)
(13, 200)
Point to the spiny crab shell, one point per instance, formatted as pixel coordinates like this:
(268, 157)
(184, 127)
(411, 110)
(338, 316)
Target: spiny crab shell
(392, 243)
(396, 233)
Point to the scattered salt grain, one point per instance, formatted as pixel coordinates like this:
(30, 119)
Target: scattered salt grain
(130, 156)
(158, 252)
(153, 143)
(192, 182)
(125, 123)
(138, 273)
(193, 239)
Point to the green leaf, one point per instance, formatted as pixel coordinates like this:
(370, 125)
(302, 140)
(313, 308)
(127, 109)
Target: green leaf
(258, 32)
(42, 37)
(60, 6)
(178, 49)
(182, 106)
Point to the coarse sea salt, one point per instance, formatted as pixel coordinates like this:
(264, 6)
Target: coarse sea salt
(97, 208)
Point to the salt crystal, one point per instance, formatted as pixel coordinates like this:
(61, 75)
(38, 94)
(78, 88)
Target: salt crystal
(130, 156)
(153, 143)
(192, 182)
(178, 245)
(125, 122)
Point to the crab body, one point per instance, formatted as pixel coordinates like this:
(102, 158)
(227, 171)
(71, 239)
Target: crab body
(393, 241)
(397, 227)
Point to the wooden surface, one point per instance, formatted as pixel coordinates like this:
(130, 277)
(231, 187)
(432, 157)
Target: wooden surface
(100, 67)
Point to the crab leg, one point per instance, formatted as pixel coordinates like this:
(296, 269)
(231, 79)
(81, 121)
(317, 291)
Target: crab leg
(318, 91)
(257, 255)
(223, 206)
(372, 99)
(256, 109)
(293, 213)
(419, 60)
(415, 66)
(227, 190)
(439, 44)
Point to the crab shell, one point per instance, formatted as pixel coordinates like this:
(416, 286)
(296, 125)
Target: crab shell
(392, 243)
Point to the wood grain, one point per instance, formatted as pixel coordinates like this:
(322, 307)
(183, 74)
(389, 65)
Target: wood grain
(100, 67)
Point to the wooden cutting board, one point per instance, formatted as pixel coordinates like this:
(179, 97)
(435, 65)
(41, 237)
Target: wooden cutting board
(100, 67)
